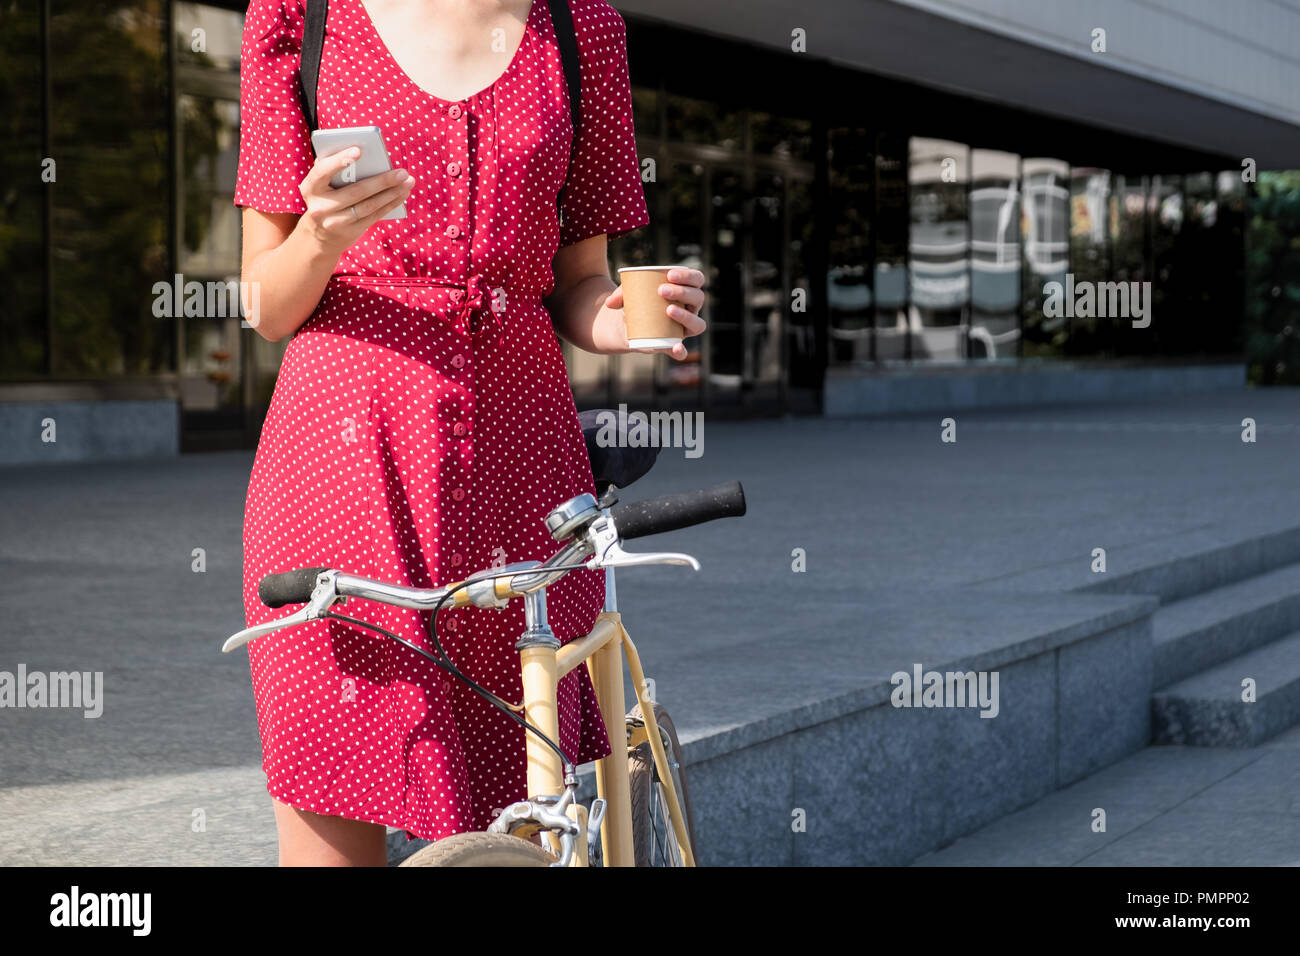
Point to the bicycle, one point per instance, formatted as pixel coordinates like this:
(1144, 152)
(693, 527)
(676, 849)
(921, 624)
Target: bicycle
(641, 813)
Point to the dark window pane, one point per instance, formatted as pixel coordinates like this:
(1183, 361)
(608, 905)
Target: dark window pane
(108, 62)
(701, 121)
(767, 298)
(889, 282)
(727, 284)
(22, 192)
(801, 363)
(1172, 330)
(852, 168)
(782, 137)
(1130, 257)
(645, 111)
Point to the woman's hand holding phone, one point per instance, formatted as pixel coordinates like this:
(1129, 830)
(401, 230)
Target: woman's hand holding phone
(336, 218)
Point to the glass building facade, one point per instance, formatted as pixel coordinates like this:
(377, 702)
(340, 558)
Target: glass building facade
(886, 226)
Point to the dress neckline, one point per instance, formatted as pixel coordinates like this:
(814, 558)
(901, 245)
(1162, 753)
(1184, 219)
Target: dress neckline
(378, 40)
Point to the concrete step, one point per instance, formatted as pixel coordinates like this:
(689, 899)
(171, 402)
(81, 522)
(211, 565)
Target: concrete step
(1207, 709)
(1200, 632)
(1191, 564)
(1184, 564)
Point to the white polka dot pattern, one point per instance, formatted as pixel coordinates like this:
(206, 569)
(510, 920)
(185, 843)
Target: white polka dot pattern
(422, 423)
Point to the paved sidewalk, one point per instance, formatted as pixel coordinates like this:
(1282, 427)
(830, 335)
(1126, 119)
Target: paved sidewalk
(97, 574)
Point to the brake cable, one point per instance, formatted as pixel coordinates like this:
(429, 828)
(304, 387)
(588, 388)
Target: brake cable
(443, 661)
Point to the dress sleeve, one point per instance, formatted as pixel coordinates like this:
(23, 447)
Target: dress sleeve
(604, 192)
(274, 146)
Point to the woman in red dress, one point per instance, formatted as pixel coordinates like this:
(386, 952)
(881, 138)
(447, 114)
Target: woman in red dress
(422, 424)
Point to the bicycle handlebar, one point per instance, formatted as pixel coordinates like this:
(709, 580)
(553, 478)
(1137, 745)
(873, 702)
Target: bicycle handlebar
(637, 519)
(289, 587)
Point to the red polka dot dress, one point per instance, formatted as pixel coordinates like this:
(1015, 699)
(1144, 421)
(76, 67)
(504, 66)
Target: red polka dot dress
(422, 424)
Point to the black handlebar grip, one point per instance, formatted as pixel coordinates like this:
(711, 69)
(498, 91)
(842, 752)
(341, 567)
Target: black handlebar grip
(291, 587)
(636, 519)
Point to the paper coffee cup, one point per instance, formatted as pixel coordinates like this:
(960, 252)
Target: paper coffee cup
(646, 311)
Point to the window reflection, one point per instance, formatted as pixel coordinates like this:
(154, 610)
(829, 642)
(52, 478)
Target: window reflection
(934, 251)
(939, 249)
(995, 254)
(226, 370)
(1045, 227)
(209, 146)
(1092, 214)
(207, 36)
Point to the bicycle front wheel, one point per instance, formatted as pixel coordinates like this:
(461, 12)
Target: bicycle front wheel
(653, 839)
(480, 849)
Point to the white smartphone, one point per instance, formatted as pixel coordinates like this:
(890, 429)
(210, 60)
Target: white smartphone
(372, 162)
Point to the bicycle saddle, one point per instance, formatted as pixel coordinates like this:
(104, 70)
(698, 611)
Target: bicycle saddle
(614, 463)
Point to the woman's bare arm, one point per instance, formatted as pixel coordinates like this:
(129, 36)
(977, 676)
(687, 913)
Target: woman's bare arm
(587, 307)
(289, 258)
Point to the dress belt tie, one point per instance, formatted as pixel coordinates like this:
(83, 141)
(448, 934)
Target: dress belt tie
(477, 317)
(474, 316)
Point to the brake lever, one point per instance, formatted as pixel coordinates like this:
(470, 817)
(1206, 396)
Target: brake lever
(323, 597)
(616, 557)
(608, 550)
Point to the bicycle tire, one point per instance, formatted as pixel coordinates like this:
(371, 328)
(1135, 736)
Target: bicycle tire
(653, 841)
(480, 849)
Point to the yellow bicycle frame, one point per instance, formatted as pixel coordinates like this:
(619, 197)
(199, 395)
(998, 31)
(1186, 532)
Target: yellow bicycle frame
(602, 649)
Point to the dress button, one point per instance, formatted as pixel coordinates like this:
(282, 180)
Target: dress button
(457, 296)
(453, 232)
(455, 560)
(454, 111)
(460, 430)
(453, 169)
(458, 361)
(453, 624)
(458, 494)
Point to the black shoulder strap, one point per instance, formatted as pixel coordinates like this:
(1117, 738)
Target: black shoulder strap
(567, 38)
(313, 41)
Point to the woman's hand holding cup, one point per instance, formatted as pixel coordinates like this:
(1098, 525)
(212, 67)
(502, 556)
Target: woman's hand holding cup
(661, 306)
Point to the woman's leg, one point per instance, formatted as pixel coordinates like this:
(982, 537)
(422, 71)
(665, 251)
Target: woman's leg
(314, 839)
